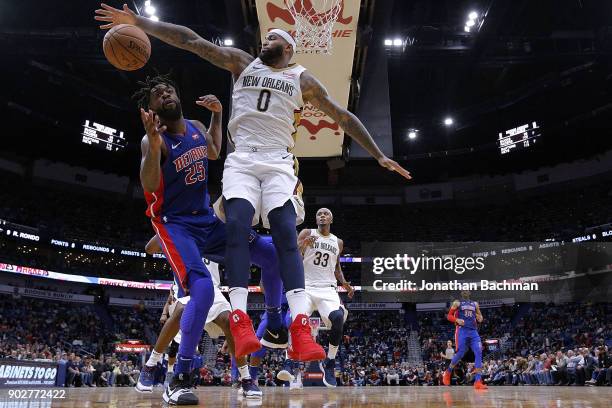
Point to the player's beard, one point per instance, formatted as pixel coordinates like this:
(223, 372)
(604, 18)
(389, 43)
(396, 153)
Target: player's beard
(171, 113)
(272, 55)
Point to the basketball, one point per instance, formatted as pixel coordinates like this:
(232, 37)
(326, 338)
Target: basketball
(126, 47)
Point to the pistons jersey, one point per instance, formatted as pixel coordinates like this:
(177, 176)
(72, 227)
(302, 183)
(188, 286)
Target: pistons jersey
(183, 185)
(266, 106)
(320, 260)
(467, 312)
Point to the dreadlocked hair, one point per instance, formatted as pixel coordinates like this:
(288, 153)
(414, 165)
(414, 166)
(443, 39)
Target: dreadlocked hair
(144, 93)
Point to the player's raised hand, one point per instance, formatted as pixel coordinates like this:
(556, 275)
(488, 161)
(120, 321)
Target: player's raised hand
(210, 102)
(392, 165)
(152, 127)
(309, 241)
(115, 16)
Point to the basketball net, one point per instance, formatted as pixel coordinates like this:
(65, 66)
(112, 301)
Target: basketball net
(314, 22)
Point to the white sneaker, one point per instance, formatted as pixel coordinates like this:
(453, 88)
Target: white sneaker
(285, 375)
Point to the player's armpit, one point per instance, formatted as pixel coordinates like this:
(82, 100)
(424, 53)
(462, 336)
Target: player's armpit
(232, 59)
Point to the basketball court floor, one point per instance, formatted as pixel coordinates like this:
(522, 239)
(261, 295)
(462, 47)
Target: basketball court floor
(387, 397)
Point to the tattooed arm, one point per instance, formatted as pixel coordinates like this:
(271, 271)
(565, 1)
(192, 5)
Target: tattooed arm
(315, 93)
(231, 59)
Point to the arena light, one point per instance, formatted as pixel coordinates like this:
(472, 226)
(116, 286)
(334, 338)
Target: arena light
(448, 121)
(473, 15)
(154, 18)
(466, 29)
(412, 134)
(398, 42)
(470, 23)
(388, 42)
(150, 10)
(228, 42)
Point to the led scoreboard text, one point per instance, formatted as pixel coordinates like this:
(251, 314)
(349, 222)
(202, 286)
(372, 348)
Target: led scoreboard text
(518, 138)
(102, 136)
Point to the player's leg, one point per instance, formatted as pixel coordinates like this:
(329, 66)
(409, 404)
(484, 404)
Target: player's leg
(179, 245)
(283, 229)
(476, 345)
(256, 357)
(334, 315)
(169, 330)
(461, 348)
(263, 253)
(241, 203)
(249, 387)
(287, 373)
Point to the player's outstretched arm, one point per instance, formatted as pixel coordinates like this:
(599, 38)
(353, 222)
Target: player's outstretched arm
(233, 59)
(315, 93)
(214, 135)
(340, 276)
(150, 168)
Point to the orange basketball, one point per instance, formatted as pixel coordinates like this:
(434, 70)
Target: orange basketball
(127, 47)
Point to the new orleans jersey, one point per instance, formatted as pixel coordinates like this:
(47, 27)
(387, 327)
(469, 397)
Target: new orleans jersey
(266, 106)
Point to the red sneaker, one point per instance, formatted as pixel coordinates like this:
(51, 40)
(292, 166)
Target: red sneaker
(478, 385)
(241, 327)
(303, 346)
(446, 379)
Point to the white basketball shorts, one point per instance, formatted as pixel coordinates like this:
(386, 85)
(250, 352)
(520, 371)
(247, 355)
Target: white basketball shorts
(266, 178)
(325, 300)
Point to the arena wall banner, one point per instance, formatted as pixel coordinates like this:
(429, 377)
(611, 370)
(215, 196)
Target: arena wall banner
(149, 304)
(21, 373)
(46, 294)
(318, 135)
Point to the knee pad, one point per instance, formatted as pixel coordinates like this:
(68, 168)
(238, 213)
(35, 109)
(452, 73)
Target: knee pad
(337, 318)
(173, 349)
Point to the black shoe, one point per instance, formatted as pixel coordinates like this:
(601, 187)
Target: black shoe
(178, 392)
(275, 339)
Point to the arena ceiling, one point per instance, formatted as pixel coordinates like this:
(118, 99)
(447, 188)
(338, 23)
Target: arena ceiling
(523, 61)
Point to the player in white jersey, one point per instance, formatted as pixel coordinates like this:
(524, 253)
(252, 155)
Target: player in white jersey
(217, 325)
(260, 176)
(321, 251)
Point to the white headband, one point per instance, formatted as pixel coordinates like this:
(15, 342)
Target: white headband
(285, 35)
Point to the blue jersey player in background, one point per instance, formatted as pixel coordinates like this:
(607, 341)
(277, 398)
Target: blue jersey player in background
(174, 175)
(465, 313)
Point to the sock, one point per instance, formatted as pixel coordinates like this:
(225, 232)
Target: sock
(194, 317)
(244, 372)
(238, 298)
(254, 371)
(183, 365)
(274, 318)
(298, 302)
(235, 373)
(154, 359)
(449, 369)
(263, 254)
(477, 377)
(331, 351)
(170, 368)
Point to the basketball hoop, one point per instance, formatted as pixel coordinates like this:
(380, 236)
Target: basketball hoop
(314, 21)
